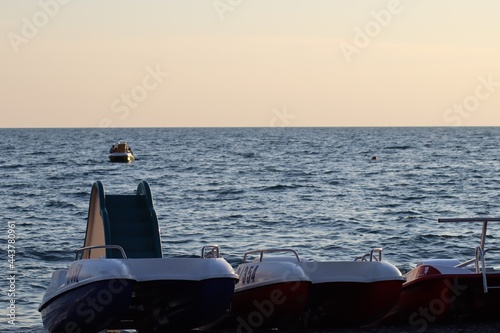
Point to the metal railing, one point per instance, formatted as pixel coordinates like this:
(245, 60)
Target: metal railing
(261, 253)
(480, 251)
(480, 266)
(371, 256)
(210, 251)
(90, 248)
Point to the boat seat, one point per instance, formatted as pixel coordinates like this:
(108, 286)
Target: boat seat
(121, 148)
(439, 262)
(277, 258)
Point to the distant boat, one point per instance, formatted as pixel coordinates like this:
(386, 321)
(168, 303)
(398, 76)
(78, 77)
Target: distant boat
(121, 152)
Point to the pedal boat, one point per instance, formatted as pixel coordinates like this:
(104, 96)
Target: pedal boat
(120, 279)
(272, 290)
(286, 291)
(121, 152)
(449, 290)
(351, 293)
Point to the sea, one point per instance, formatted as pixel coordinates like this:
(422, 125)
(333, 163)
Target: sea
(328, 193)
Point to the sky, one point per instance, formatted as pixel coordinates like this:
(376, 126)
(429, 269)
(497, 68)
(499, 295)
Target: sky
(249, 63)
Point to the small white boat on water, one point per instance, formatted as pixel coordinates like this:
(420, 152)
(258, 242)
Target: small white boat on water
(120, 279)
(278, 288)
(121, 152)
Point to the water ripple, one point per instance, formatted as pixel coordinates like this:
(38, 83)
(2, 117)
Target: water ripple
(314, 189)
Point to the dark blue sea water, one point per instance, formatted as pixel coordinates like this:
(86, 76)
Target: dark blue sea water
(312, 189)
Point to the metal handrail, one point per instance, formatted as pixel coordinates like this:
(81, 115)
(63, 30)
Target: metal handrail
(484, 220)
(371, 255)
(470, 219)
(210, 251)
(115, 247)
(481, 266)
(480, 251)
(480, 260)
(466, 263)
(261, 252)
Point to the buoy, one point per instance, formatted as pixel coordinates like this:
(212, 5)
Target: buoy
(374, 158)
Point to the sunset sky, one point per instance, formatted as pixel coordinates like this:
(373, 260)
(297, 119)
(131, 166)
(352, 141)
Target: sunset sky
(192, 63)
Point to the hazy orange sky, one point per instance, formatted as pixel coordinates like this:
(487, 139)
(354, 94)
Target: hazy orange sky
(123, 63)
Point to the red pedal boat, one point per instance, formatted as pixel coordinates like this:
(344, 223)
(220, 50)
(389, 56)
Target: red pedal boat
(450, 290)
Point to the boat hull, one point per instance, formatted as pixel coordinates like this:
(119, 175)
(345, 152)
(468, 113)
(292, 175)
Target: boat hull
(274, 305)
(350, 303)
(148, 294)
(89, 308)
(121, 158)
(147, 306)
(176, 305)
(350, 293)
(269, 294)
(446, 297)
